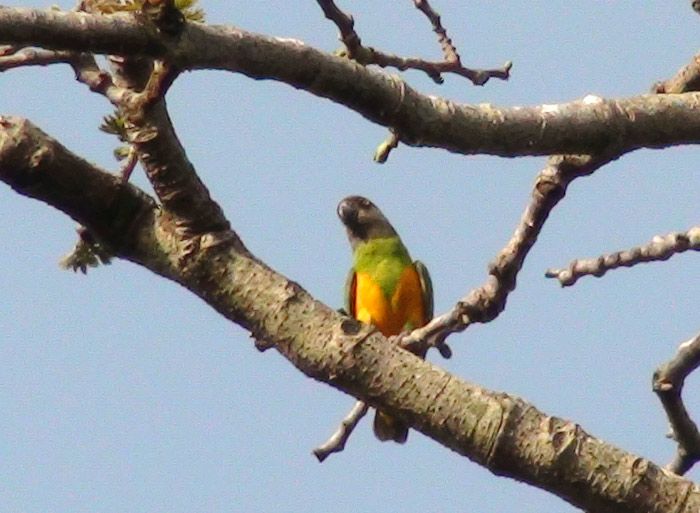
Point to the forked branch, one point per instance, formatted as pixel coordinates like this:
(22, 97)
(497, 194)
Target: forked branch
(668, 385)
(434, 69)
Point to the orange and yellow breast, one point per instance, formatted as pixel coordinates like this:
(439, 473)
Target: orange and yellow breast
(391, 315)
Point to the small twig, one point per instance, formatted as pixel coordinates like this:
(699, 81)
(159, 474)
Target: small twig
(129, 164)
(336, 442)
(85, 66)
(366, 55)
(345, 24)
(383, 150)
(660, 248)
(668, 384)
(448, 48)
(162, 77)
(685, 80)
(99, 81)
(434, 69)
(15, 58)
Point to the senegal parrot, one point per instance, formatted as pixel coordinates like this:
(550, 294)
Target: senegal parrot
(384, 286)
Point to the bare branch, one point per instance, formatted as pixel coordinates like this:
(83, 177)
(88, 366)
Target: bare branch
(367, 55)
(78, 31)
(336, 442)
(488, 301)
(171, 173)
(431, 68)
(589, 126)
(687, 79)
(58, 177)
(668, 385)
(660, 248)
(99, 81)
(485, 303)
(448, 49)
(346, 26)
(152, 138)
(32, 57)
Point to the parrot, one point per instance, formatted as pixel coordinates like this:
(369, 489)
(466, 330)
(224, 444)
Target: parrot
(384, 286)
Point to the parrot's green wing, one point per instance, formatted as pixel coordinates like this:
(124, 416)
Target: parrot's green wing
(426, 285)
(349, 293)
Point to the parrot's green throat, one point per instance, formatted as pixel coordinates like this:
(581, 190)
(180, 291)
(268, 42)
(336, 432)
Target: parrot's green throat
(384, 259)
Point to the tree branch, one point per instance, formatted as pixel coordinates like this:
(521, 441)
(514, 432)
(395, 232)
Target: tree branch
(485, 303)
(660, 248)
(687, 79)
(668, 385)
(174, 179)
(346, 26)
(367, 55)
(32, 57)
(448, 48)
(37, 166)
(589, 126)
(503, 433)
(336, 442)
(137, 88)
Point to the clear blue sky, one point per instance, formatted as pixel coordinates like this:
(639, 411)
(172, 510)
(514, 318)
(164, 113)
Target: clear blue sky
(122, 392)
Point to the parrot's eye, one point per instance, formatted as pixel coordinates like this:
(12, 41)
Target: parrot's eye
(364, 203)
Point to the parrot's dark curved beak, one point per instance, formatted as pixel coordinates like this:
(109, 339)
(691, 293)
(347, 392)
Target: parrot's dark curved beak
(347, 213)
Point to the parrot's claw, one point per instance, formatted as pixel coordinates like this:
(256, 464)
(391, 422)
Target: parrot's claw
(420, 347)
(399, 340)
(445, 350)
(438, 342)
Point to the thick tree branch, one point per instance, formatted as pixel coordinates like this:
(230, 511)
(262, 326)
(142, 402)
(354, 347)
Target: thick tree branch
(503, 433)
(37, 166)
(174, 179)
(118, 34)
(589, 126)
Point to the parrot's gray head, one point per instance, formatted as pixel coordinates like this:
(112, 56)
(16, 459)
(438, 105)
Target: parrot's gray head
(363, 220)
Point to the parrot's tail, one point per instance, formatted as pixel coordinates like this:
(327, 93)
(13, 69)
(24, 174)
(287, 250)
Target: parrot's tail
(388, 428)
